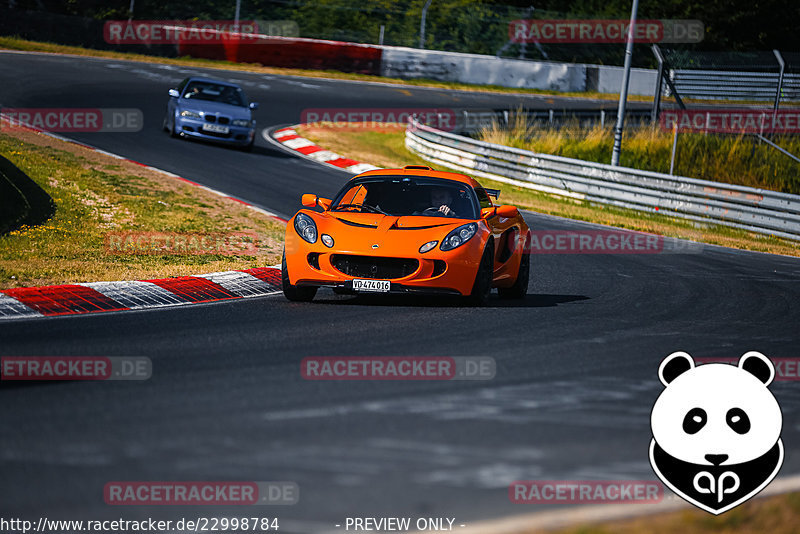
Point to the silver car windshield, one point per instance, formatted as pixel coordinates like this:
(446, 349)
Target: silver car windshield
(214, 92)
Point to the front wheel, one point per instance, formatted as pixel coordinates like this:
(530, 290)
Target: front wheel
(292, 292)
(249, 146)
(483, 279)
(520, 287)
(170, 129)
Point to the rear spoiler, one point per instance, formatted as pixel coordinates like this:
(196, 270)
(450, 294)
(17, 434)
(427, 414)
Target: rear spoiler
(493, 193)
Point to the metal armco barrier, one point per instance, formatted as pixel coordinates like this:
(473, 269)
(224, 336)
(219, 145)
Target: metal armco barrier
(473, 120)
(757, 210)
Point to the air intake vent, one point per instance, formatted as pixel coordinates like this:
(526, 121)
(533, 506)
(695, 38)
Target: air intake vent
(417, 168)
(374, 267)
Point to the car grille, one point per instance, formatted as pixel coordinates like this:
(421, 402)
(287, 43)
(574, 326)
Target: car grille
(214, 118)
(373, 267)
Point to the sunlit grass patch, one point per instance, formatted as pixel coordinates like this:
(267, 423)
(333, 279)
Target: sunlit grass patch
(97, 196)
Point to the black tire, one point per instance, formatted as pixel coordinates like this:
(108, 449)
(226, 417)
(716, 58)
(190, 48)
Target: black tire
(171, 129)
(249, 146)
(294, 293)
(520, 287)
(482, 287)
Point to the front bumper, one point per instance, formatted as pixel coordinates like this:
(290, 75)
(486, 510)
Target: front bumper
(450, 273)
(237, 135)
(396, 289)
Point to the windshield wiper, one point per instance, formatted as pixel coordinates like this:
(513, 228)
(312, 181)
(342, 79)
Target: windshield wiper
(373, 209)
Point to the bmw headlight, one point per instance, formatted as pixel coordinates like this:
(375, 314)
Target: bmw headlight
(459, 236)
(241, 122)
(306, 227)
(190, 114)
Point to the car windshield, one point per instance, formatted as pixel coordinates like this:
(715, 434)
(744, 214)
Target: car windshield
(408, 195)
(215, 92)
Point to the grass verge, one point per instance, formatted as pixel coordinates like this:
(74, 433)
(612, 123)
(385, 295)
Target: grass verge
(97, 195)
(776, 515)
(15, 43)
(385, 147)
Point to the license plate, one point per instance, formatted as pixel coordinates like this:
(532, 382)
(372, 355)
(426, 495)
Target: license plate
(377, 286)
(215, 128)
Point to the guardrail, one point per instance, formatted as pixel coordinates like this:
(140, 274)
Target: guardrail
(757, 210)
(473, 120)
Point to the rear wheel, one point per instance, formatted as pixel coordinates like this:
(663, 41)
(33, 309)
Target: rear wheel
(483, 279)
(520, 287)
(292, 292)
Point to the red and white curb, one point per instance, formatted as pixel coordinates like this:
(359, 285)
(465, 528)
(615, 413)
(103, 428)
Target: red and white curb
(289, 138)
(93, 297)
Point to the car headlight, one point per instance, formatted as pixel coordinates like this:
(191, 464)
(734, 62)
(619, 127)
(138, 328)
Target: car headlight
(430, 245)
(459, 236)
(190, 114)
(306, 227)
(327, 240)
(241, 122)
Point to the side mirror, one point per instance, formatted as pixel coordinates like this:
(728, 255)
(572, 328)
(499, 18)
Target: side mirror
(254, 105)
(507, 211)
(174, 93)
(312, 201)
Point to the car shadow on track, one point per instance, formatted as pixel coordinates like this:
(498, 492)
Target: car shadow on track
(531, 300)
(258, 150)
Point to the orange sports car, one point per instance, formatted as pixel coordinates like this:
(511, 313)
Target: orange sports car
(407, 230)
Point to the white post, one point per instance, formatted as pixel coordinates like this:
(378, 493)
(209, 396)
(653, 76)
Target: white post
(422, 24)
(674, 148)
(380, 39)
(623, 94)
(236, 17)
